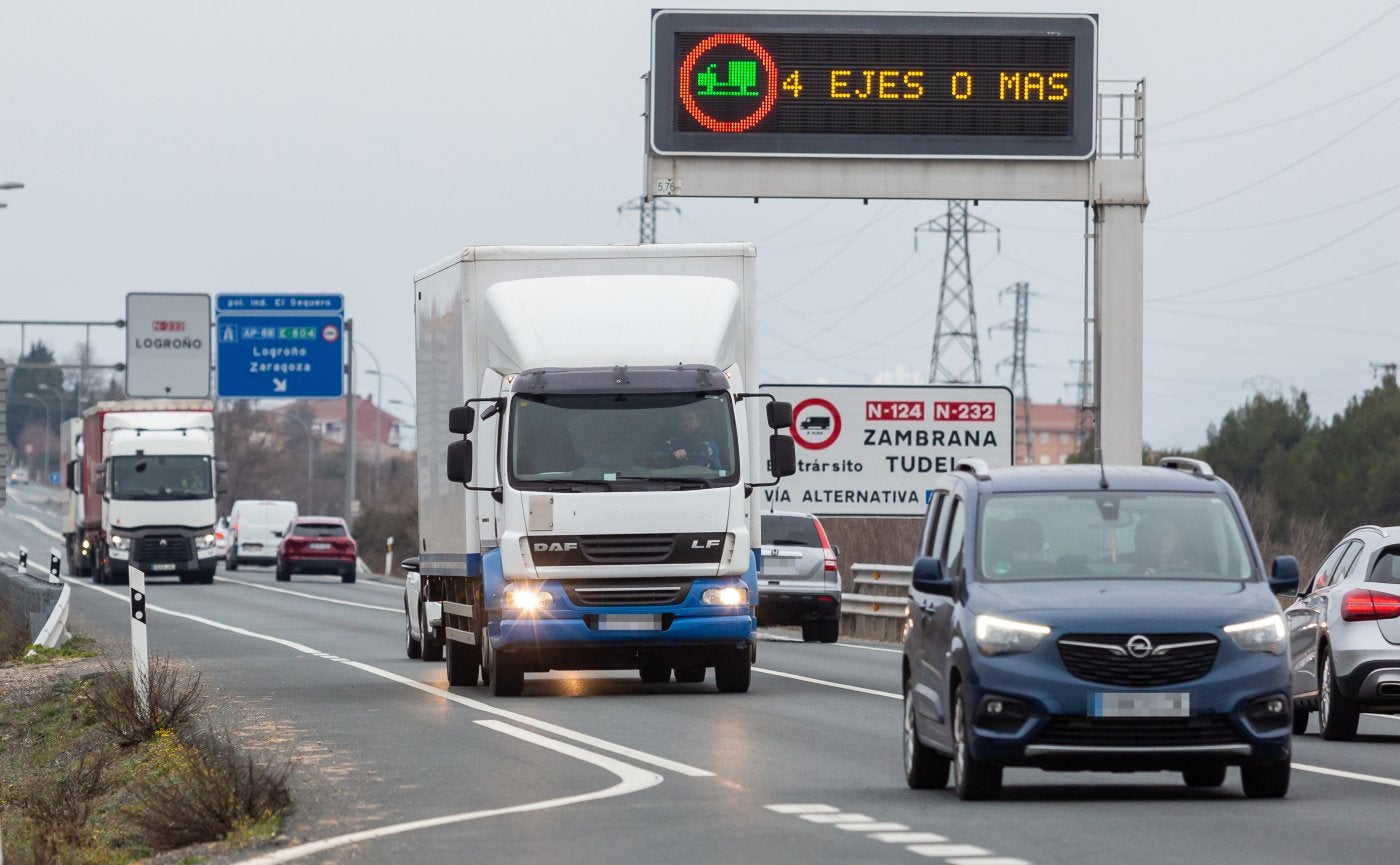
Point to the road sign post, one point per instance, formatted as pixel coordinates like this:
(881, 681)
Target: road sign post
(167, 345)
(280, 346)
(140, 661)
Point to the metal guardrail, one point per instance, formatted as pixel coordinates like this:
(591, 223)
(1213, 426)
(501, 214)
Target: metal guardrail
(880, 603)
(37, 593)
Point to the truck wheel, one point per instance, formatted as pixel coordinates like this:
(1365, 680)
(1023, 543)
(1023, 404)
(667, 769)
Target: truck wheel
(411, 646)
(733, 671)
(462, 663)
(654, 674)
(206, 573)
(428, 648)
(507, 674)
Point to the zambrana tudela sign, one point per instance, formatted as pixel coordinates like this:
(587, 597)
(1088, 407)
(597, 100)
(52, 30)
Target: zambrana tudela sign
(875, 450)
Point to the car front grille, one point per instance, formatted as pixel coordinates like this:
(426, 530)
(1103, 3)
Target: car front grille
(157, 549)
(626, 549)
(642, 593)
(1109, 659)
(1139, 732)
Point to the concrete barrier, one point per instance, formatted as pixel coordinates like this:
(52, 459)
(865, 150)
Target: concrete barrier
(43, 604)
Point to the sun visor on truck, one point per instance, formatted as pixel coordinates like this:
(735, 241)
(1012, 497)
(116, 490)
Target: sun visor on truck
(682, 378)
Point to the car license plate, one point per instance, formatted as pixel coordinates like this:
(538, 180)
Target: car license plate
(629, 622)
(780, 566)
(1153, 704)
(163, 566)
(319, 546)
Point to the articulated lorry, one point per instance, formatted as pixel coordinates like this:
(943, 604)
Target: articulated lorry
(587, 454)
(147, 480)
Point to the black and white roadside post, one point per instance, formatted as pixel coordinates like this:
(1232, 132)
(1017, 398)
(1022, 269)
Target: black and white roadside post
(55, 557)
(140, 663)
(23, 560)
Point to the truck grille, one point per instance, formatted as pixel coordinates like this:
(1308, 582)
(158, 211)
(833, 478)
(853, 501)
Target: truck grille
(629, 594)
(1109, 658)
(626, 549)
(1139, 732)
(156, 549)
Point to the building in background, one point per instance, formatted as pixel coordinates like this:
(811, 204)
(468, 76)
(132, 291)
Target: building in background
(371, 424)
(1055, 430)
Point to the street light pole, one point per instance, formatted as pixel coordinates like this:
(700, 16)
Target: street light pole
(378, 401)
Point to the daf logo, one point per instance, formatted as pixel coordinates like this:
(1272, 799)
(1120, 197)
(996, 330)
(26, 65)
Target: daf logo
(555, 547)
(1139, 646)
(698, 545)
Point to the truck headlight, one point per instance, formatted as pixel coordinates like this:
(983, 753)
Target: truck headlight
(1260, 635)
(119, 542)
(998, 636)
(528, 600)
(729, 596)
(205, 541)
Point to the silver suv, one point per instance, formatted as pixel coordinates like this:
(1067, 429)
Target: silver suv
(798, 581)
(1344, 633)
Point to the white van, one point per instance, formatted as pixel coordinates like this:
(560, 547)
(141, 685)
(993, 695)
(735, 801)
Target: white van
(255, 528)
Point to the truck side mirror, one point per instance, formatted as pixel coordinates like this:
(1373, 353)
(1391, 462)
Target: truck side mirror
(779, 415)
(461, 419)
(99, 484)
(459, 461)
(782, 454)
(74, 478)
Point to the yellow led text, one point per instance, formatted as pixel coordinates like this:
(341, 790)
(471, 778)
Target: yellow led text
(877, 83)
(1034, 86)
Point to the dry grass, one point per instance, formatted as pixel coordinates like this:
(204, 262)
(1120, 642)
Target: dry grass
(872, 540)
(206, 787)
(175, 697)
(1279, 532)
(14, 633)
(58, 804)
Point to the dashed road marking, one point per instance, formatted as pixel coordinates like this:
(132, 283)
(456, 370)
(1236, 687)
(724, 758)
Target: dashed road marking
(928, 844)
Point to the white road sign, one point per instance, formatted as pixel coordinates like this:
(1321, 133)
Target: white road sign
(875, 450)
(168, 345)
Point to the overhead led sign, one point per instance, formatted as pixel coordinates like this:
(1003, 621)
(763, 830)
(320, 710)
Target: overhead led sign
(881, 85)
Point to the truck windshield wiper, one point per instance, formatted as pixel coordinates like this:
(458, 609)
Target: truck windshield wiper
(696, 483)
(561, 484)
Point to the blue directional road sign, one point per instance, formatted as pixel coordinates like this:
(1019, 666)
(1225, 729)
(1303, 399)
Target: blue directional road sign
(281, 346)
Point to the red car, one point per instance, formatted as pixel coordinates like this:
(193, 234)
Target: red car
(317, 545)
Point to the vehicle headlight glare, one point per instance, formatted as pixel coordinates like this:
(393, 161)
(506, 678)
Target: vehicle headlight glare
(998, 636)
(728, 596)
(528, 600)
(1260, 635)
(205, 541)
(118, 542)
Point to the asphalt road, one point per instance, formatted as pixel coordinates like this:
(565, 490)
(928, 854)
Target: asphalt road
(395, 767)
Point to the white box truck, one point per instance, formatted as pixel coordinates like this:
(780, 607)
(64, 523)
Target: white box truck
(587, 456)
(148, 479)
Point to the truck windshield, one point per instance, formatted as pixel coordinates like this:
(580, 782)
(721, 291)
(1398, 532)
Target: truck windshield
(622, 441)
(161, 478)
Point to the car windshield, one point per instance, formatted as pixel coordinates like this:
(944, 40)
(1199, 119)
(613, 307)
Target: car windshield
(628, 441)
(161, 478)
(781, 530)
(1111, 535)
(319, 530)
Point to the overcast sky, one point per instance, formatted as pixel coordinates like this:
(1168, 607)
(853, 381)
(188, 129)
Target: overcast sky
(339, 146)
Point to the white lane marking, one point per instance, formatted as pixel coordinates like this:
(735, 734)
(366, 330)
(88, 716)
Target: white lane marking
(943, 851)
(811, 681)
(984, 860)
(799, 808)
(311, 597)
(1379, 715)
(562, 732)
(771, 637)
(38, 525)
(1354, 776)
(630, 780)
(836, 818)
(908, 837)
(873, 827)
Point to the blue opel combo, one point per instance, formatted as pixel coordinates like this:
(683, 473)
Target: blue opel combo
(1099, 618)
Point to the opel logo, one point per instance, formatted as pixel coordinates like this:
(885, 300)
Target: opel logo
(1139, 646)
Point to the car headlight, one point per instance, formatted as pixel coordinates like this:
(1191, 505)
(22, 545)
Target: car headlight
(998, 636)
(1260, 635)
(528, 600)
(729, 596)
(118, 542)
(205, 541)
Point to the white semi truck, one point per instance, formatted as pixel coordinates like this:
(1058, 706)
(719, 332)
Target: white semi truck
(587, 456)
(147, 477)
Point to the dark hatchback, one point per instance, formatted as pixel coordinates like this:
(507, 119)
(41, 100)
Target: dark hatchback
(317, 545)
(1094, 618)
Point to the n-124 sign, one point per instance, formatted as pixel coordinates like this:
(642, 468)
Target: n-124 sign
(874, 450)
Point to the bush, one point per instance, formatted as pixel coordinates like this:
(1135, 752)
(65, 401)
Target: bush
(206, 788)
(57, 805)
(174, 699)
(14, 633)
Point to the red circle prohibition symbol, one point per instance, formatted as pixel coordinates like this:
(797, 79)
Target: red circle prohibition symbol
(817, 402)
(769, 67)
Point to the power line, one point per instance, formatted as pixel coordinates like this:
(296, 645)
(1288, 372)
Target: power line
(955, 333)
(1277, 222)
(646, 215)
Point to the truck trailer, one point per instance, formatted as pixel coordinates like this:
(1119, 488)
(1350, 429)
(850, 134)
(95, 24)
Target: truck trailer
(147, 477)
(587, 456)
